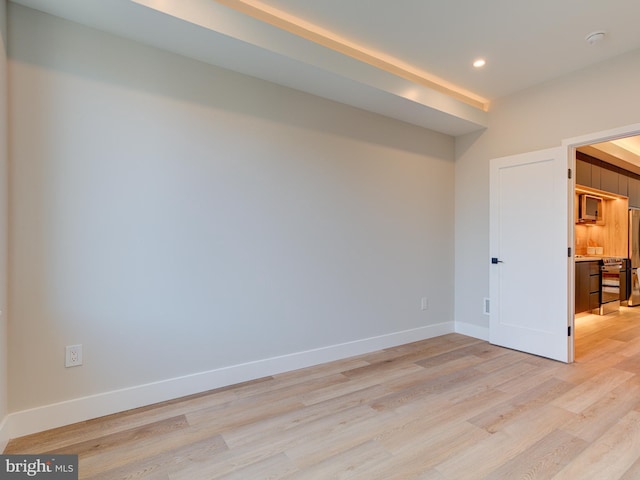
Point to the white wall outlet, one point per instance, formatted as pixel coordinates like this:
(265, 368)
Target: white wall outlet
(486, 306)
(424, 303)
(73, 355)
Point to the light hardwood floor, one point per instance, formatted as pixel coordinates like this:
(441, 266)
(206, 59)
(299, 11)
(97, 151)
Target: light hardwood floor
(451, 407)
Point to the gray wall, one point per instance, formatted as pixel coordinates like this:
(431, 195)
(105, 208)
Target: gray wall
(174, 217)
(4, 151)
(588, 101)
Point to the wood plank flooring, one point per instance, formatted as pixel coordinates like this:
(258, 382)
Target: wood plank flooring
(451, 407)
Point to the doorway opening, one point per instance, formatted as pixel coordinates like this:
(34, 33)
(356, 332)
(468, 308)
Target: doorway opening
(606, 285)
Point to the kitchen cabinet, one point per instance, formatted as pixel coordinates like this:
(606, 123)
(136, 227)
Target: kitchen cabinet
(596, 175)
(583, 173)
(609, 181)
(624, 276)
(619, 182)
(634, 192)
(587, 286)
(590, 175)
(623, 185)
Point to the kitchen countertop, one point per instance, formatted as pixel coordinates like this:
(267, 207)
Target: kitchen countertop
(587, 258)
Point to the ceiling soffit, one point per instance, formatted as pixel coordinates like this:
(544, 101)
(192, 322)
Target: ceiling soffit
(209, 31)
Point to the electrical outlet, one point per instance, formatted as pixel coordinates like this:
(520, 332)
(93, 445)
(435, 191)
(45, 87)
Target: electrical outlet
(424, 303)
(73, 355)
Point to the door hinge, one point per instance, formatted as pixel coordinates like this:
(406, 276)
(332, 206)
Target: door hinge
(569, 171)
(569, 252)
(569, 331)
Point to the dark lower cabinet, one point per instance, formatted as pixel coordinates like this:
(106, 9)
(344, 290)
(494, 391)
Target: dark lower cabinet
(587, 286)
(582, 287)
(625, 277)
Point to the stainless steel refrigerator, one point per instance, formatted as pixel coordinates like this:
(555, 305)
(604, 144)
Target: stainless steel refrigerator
(634, 256)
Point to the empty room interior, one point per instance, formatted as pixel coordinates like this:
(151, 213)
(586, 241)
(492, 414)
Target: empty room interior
(339, 239)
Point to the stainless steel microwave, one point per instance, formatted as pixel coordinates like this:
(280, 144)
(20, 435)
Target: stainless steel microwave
(589, 209)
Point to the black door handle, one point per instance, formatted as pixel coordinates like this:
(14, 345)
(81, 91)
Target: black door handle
(495, 261)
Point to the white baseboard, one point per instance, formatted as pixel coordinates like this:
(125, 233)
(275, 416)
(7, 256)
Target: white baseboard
(42, 418)
(4, 434)
(474, 331)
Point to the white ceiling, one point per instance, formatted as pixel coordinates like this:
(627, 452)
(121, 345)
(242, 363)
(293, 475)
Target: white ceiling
(525, 43)
(631, 144)
(624, 152)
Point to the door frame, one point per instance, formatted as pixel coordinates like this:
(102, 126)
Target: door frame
(570, 145)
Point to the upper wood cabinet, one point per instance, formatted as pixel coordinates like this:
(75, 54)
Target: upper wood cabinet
(623, 185)
(609, 181)
(634, 192)
(583, 173)
(595, 176)
(591, 175)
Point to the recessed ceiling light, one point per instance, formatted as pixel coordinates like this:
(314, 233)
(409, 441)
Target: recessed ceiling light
(479, 63)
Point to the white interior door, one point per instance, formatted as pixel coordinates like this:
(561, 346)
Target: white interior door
(529, 240)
